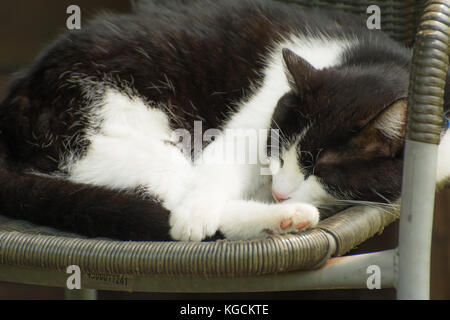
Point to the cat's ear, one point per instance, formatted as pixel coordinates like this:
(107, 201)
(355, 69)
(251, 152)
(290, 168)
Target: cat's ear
(392, 121)
(299, 72)
(386, 132)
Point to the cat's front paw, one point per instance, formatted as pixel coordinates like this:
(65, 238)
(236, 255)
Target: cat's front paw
(195, 219)
(245, 220)
(292, 217)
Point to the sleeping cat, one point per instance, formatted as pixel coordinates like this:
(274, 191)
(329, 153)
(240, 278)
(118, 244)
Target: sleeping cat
(119, 129)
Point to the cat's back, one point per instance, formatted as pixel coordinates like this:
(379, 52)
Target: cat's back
(222, 43)
(201, 56)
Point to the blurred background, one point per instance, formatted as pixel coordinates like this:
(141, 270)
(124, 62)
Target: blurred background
(28, 26)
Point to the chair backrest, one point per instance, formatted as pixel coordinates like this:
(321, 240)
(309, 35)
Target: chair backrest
(399, 18)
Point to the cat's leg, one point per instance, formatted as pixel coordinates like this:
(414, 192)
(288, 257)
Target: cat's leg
(241, 220)
(121, 163)
(198, 214)
(131, 146)
(215, 205)
(218, 179)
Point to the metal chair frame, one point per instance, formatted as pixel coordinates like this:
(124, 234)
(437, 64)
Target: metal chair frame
(289, 262)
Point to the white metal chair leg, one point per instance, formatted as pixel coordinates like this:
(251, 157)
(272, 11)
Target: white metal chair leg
(416, 221)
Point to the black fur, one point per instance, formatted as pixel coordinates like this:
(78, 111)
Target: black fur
(345, 99)
(200, 59)
(84, 209)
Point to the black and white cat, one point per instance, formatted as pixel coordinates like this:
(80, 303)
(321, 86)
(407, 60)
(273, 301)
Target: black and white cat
(119, 129)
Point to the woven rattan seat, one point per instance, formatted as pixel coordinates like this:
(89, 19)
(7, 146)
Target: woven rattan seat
(28, 251)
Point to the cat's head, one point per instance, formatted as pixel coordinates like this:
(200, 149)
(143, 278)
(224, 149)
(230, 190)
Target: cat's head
(341, 133)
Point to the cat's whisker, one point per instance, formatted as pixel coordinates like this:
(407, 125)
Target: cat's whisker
(382, 197)
(362, 202)
(377, 205)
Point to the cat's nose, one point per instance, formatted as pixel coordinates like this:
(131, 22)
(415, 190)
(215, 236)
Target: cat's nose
(279, 197)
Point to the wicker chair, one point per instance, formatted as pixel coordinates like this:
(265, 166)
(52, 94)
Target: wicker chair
(39, 255)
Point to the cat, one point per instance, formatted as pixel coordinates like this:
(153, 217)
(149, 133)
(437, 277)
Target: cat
(116, 130)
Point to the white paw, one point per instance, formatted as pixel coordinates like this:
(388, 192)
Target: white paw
(195, 218)
(292, 217)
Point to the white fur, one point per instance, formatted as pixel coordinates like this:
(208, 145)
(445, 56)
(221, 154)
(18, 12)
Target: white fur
(319, 52)
(288, 178)
(253, 220)
(289, 181)
(129, 151)
(392, 122)
(310, 191)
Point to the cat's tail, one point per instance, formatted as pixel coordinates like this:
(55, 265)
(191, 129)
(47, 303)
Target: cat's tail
(78, 208)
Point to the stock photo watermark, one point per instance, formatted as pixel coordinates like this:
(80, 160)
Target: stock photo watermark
(231, 146)
(226, 309)
(73, 281)
(374, 280)
(73, 21)
(374, 20)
